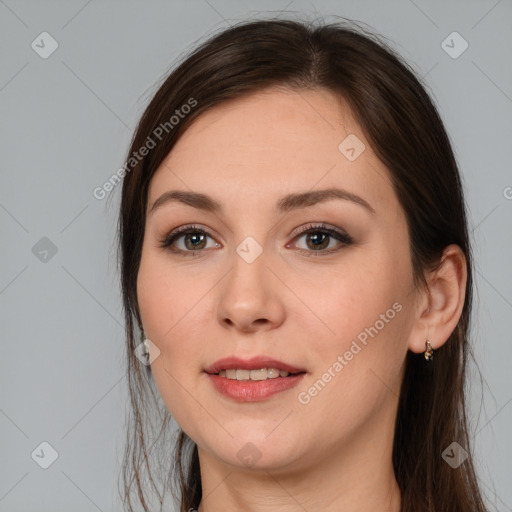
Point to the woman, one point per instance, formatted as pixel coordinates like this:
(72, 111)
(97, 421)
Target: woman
(294, 250)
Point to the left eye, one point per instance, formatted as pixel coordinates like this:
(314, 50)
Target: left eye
(318, 239)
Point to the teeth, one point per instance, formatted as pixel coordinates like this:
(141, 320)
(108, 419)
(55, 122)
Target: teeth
(260, 374)
(272, 373)
(243, 374)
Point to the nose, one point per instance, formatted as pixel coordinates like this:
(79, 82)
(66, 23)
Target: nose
(251, 296)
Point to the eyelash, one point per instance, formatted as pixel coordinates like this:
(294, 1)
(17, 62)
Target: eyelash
(346, 239)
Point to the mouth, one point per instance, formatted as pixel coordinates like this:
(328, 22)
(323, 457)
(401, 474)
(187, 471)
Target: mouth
(255, 369)
(258, 374)
(253, 380)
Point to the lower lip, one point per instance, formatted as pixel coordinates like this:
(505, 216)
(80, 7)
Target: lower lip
(253, 390)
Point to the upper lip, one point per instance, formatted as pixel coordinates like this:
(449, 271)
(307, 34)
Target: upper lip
(254, 363)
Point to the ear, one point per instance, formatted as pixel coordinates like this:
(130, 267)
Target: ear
(439, 307)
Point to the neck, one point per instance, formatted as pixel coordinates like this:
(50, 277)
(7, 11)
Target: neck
(270, 493)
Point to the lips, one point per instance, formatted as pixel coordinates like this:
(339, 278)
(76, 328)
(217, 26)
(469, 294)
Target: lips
(255, 363)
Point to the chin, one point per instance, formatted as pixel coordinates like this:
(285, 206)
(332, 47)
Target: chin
(258, 452)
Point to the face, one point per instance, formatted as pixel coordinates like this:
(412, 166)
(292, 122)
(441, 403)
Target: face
(321, 284)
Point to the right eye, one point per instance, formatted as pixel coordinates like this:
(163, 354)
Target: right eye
(193, 237)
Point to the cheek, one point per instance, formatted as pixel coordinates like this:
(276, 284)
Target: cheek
(161, 296)
(149, 298)
(358, 333)
(173, 313)
(357, 370)
(343, 302)
(170, 320)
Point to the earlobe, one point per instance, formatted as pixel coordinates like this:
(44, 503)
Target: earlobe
(442, 304)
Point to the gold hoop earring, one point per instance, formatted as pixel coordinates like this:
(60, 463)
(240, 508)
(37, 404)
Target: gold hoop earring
(429, 353)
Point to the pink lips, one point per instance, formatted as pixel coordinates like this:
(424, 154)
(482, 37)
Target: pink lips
(252, 390)
(254, 363)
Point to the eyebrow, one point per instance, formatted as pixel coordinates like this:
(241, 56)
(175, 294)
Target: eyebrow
(285, 204)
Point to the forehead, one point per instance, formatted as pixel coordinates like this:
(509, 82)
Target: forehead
(270, 143)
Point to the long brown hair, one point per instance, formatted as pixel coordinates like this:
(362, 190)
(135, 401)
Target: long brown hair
(404, 128)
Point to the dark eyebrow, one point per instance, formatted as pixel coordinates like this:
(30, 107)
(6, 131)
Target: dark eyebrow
(305, 199)
(287, 203)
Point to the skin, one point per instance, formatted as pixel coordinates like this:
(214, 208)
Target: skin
(333, 453)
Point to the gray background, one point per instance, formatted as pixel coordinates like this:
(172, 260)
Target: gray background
(65, 125)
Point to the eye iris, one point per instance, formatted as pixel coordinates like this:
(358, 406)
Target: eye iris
(315, 237)
(194, 236)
